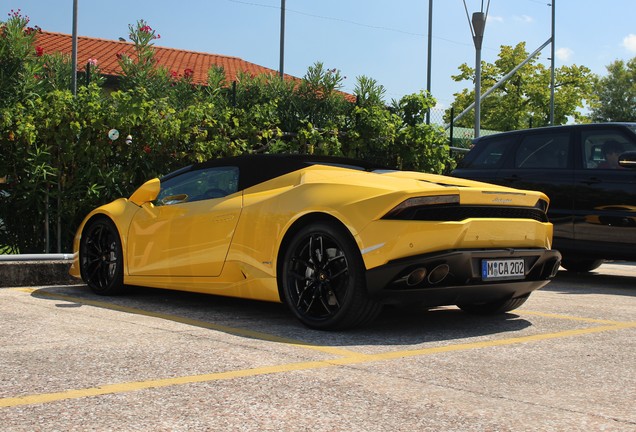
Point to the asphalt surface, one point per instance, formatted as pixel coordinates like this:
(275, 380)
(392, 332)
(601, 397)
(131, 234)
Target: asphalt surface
(156, 360)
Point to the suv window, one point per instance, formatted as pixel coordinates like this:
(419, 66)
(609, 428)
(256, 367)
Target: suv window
(492, 153)
(599, 143)
(544, 151)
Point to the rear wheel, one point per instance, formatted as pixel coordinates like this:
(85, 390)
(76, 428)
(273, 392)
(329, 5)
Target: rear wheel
(101, 258)
(580, 265)
(323, 279)
(493, 308)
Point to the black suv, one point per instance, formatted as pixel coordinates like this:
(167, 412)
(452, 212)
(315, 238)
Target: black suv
(589, 173)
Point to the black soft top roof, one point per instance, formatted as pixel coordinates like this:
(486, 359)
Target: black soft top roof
(255, 169)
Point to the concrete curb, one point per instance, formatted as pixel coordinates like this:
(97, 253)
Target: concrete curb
(35, 273)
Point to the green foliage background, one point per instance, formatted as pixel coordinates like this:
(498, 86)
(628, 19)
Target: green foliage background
(58, 161)
(524, 100)
(615, 96)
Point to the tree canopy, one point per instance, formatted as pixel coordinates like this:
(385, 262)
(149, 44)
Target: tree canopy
(524, 99)
(615, 96)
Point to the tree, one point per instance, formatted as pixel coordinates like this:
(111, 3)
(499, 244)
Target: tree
(20, 62)
(524, 99)
(65, 154)
(616, 93)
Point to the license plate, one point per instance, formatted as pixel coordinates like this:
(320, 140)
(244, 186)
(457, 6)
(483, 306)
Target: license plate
(502, 269)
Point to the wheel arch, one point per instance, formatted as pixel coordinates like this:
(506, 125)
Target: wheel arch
(90, 219)
(298, 224)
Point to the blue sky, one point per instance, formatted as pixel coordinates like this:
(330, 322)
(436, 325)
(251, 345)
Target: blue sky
(383, 39)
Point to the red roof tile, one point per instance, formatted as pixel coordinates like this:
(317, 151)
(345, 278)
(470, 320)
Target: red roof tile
(105, 52)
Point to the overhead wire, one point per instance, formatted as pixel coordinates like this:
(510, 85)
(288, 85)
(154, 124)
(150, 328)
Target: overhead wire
(375, 27)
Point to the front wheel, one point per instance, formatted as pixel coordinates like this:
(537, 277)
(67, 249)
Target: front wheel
(101, 258)
(323, 279)
(493, 308)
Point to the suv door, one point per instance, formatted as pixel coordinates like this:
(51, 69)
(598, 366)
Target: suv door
(605, 198)
(543, 161)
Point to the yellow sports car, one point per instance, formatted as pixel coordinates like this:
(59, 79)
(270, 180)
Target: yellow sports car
(333, 238)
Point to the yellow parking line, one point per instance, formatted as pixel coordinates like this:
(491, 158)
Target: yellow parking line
(290, 367)
(141, 385)
(570, 318)
(347, 357)
(493, 343)
(195, 323)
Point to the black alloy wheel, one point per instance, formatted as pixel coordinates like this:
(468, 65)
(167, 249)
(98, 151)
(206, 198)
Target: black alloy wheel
(101, 258)
(324, 279)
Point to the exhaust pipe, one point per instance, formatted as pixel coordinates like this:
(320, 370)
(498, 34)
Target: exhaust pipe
(438, 274)
(416, 276)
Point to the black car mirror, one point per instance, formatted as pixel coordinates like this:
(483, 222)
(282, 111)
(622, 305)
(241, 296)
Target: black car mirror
(627, 159)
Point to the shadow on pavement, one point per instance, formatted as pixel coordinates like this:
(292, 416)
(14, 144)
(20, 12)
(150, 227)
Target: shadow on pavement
(592, 283)
(248, 318)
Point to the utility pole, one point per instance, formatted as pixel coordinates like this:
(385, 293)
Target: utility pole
(552, 68)
(281, 68)
(429, 54)
(74, 51)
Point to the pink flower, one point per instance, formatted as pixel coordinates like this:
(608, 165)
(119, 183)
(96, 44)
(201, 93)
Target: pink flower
(187, 73)
(16, 14)
(92, 61)
(39, 51)
(147, 149)
(174, 74)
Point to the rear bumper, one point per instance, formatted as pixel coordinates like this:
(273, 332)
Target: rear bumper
(458, 277)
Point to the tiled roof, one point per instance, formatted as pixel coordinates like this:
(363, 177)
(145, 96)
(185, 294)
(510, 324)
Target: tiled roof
(105, 52)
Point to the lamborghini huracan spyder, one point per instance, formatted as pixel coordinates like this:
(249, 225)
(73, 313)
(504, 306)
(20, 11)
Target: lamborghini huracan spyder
(335, 239)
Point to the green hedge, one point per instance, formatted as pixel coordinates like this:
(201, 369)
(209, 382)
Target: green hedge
(59, 162)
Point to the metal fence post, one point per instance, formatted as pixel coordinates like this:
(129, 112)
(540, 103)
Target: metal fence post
(452, 120)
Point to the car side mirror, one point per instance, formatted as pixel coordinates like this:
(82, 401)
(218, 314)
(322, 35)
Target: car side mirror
(147, 192)
(627, 159)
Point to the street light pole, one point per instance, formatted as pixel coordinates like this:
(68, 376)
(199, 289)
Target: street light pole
(479, 25)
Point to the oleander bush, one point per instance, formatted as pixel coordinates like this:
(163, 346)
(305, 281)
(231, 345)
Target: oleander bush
(61, 156)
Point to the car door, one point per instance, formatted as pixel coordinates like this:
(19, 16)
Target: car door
(489, 155)
(605, 200)
(187, 231)
(543, 161)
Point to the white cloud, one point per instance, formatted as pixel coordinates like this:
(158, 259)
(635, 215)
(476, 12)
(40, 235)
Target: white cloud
(524, 18)
(630, 42)
(564, 54)
(492, 18)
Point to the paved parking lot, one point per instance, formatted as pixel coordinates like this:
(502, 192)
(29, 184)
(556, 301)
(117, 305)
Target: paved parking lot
(161, 360)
